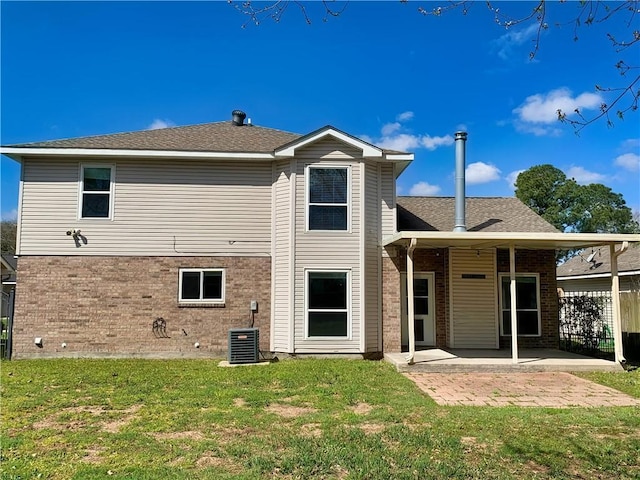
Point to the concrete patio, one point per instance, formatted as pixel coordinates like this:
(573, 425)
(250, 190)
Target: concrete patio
(436, 360)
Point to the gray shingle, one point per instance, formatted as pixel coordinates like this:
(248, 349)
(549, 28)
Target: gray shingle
(627, 262)
(207, 137)
(484, 214)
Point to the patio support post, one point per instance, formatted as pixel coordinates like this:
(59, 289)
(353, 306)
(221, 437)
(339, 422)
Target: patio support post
(514, 309)
(410, 310)
(615, 301)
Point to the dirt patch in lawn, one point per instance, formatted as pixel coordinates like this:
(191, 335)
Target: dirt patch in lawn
(210, 459)
(93, 455)
(311, 430)
(372, 428)
(289, 411)
(189, 435)
(116, 425)
(361, 408)
(239, 402)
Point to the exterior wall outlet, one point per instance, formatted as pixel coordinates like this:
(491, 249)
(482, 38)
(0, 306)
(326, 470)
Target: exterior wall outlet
(37, 341)
(254, 305)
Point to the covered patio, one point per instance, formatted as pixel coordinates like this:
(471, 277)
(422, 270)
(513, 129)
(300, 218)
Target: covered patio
(534, 359)
(436, 360)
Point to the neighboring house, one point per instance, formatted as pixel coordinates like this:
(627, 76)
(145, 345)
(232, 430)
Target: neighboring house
(192, 227)
(590, 271)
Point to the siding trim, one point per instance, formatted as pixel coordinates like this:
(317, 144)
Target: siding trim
(272, 336)
(361, 258)
(292, 257)
(379, 253)
(20, 202)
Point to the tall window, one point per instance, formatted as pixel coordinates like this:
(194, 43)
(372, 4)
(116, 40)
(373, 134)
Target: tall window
(328, 193)
(96, 191)
(527, 304)
(199, 285)
(327, 303)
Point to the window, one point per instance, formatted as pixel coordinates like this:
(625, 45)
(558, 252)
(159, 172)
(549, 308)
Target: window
(327, 196)
(527, 304)
(327, 303)
(96, 191)
(201, 285)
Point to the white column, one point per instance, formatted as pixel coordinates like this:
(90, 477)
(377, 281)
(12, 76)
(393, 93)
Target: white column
(410, 309)
(615, 301)
(514, 310)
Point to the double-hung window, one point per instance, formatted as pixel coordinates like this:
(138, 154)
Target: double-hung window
(327, 198)
(327, 298)
(96, 191)
(527, 304)
(201, 285)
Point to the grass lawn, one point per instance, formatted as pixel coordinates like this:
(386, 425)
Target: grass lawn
(189, 419)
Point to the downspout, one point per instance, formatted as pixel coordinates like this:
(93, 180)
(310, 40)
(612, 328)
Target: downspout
(514, 305)
(615, 304)
(410, 310)
(460, 222)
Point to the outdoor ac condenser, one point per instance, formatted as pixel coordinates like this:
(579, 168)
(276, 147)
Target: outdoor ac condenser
(243, 345)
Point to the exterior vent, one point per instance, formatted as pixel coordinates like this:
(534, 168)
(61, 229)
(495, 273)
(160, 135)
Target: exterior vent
(238, 117)
(243, 345)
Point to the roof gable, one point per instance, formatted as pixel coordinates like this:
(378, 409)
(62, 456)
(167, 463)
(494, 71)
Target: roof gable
(368, 150)
(628, 261)
(483, 214)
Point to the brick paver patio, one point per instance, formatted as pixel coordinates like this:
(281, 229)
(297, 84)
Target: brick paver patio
(540, 389)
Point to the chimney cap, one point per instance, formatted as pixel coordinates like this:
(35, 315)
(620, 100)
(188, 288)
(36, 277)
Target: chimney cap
(461, 135)
(238, 117)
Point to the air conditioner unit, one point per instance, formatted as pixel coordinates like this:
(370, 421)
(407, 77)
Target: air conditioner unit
(243, 345)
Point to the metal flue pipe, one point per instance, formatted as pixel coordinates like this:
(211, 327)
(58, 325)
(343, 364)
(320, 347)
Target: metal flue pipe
(460, 222)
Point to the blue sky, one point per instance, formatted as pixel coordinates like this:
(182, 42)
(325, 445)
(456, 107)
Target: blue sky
(380, 71)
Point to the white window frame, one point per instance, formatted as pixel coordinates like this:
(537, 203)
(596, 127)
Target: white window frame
(82, 193)
(202, 300)
(348, 310)
(538, 309)
(308, 203)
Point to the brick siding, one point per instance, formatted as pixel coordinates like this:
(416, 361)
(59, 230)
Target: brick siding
(106, 306)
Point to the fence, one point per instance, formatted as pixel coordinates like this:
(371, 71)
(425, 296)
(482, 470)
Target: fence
(586, 323)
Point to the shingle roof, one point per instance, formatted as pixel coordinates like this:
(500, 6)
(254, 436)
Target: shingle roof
(484, 214)
(628, 261)
(208, 137)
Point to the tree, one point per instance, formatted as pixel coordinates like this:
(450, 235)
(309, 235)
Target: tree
(8, 230)
(568, 206)
(623, 98)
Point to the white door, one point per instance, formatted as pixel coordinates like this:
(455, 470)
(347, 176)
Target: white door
(425, 319)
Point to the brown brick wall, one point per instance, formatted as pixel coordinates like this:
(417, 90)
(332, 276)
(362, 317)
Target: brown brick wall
(390, 305)
(106, 306)
(544, 263)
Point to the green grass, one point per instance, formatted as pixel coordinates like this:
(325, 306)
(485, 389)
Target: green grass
(189, 419)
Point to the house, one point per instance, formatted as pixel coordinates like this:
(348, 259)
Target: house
(171, 237)
(590, 271)
(8, 264)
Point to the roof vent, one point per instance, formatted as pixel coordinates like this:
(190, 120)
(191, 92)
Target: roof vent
(238, 117)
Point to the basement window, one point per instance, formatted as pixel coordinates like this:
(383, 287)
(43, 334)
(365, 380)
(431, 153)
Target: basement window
(327, 303)
(201, 285)
(527, 304)
(96, 191)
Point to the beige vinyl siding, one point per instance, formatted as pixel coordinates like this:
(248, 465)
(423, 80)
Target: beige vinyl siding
(602, 284)
(388, 199)
(473, 300)
(282, 261)
(372, 259)
(161, 207)
(327, 250)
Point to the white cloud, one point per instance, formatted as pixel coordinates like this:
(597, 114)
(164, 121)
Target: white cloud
(628, 161)
(393, 137)
(404, 116)
(160, 123)
(513, 38)
(631, 144)
(543, 108)
(431, 143)
(390, 128)
(480, 172)
(424, 189)
(10, 215)
(583, 176)
(512, 177)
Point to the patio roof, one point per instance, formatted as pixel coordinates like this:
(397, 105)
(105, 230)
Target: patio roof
(522, 240)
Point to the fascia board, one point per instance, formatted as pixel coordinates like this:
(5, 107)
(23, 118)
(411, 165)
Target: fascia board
(104, 152)
(368, 151)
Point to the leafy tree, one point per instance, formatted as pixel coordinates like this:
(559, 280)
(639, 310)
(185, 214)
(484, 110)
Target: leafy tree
(592, 208)
(8, 230)
(625, 14)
